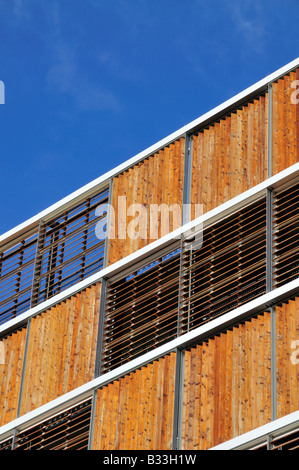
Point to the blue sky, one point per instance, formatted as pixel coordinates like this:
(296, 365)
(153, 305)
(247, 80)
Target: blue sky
(91, 83)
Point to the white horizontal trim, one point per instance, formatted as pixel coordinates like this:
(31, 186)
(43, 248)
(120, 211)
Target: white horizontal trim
(259, 435)
(184, 231)
(257, 305)
(79, 194)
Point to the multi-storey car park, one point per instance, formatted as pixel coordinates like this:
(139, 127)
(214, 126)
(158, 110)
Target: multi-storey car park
(187, 340)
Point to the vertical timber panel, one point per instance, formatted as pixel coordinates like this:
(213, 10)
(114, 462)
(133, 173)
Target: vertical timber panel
(287, 347)
(139, 412)
(61, 349)
(230, 157)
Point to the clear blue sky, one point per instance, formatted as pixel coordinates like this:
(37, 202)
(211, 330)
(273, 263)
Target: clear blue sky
(91, 83)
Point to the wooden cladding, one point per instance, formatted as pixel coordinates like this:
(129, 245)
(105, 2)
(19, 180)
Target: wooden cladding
(67, 431)
(13, 347)
(285, 122)
(286, 235)
(156, 180)
(228, 270)
(135, 412)
(287, 357)
(230, 156)
(227, 385)
(61, 349)
(69, 249)
(16, 276)
(141, 311)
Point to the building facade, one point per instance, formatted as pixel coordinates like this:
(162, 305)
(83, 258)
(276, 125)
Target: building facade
(157, 308)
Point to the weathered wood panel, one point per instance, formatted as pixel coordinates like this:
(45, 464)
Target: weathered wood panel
(136, 411)
(285, 122)
(230, 156)
(287, 365)
(61, 349)
(227, 385)
(156, 180)
(12, 347)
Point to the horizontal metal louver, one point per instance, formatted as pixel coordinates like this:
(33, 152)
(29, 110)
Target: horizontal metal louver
(16, 277)
(141, 311)
(6, 445)
(228, 270)
(289, 441)
(286, 235)
(69, 249)
(67, 431)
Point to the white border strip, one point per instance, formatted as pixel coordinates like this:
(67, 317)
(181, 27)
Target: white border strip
(255, 306)
(185, 231)
(150, 150)
(259, 435)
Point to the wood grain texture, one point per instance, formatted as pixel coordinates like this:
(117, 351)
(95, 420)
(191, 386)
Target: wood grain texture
(285, 122)
(156, 180)
(227, 385)
(61, 348)
(287, 356)
(230, 156)
(10, 374)
(135, 412)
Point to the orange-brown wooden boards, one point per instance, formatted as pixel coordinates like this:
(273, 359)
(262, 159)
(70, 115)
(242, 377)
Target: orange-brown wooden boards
(12, 357)
(156, 180)
(61, 348)
(230, 156)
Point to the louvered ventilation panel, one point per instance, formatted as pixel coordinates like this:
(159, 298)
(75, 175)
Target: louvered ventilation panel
(69, 249)
(67, 431)
(16, 277)
(141, 311)
(289, 441)
(286, 235)
(228, 270)
(6, 445)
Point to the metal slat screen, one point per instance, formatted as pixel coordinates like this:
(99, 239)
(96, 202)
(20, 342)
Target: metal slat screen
(16, 277)
(286, 235)
(228, 270)
(6, 445)
(69, 250)
(141, 311)
(284, 441)
(66, 431)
